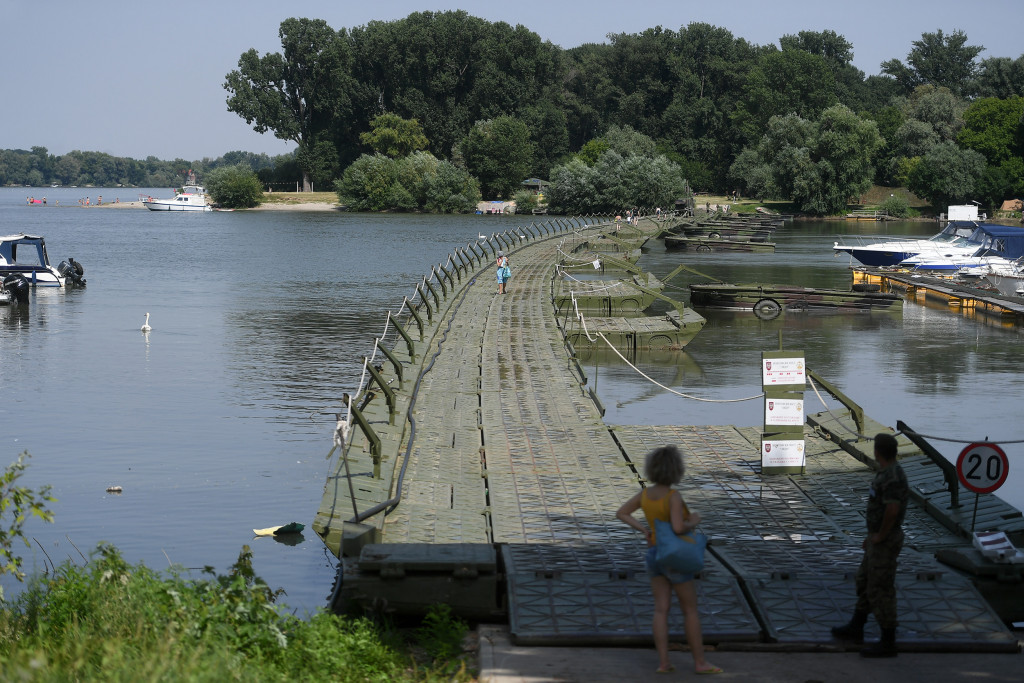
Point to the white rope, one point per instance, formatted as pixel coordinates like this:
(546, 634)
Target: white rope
(669, 389)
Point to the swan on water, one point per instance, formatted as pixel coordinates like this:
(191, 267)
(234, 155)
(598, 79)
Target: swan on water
(481, 237)
(145, 326)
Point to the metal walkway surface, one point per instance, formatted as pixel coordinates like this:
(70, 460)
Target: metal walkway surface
(505, 445)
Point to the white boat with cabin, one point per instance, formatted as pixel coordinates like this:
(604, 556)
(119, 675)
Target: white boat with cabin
(192, 197)
(889, 251)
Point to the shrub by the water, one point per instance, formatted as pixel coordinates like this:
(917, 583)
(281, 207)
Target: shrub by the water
(112, 621)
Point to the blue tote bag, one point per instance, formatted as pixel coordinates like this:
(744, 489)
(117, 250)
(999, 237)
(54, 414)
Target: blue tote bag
(683, 554)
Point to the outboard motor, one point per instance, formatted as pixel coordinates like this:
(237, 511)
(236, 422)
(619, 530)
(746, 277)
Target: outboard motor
(18, 286)
(72, 272)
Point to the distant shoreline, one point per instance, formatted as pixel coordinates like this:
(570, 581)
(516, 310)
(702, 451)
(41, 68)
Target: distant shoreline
(266, 206)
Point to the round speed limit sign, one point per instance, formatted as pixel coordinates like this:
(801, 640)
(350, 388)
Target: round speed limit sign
(982, 467)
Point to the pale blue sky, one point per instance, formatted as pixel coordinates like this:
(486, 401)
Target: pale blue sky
(138, 78)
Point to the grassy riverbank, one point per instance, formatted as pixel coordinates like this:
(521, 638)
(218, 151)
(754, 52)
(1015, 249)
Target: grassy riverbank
(111, 621)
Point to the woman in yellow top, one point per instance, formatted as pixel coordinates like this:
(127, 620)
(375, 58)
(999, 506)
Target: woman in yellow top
(663, 468)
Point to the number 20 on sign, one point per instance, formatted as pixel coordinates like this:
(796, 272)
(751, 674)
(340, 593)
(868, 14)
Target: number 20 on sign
(982, 467)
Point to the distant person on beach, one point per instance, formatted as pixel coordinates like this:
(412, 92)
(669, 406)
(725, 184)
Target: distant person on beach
(876, 577)
(503, 270)
(663, 468)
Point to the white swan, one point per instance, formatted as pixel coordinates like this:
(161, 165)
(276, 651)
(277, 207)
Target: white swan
(481, 237)
(145, 326)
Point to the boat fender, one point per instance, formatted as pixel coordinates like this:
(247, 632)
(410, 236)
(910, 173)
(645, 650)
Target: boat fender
(17, 285)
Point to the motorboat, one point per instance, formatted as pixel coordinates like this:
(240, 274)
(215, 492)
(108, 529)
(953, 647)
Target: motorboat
(25, 256)
(191, 197)
(1005, 275)
(878, 250)
(995, 245)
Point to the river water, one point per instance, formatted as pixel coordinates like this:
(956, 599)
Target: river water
(217, 421)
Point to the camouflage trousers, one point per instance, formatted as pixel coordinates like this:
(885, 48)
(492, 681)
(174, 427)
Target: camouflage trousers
(876, 579)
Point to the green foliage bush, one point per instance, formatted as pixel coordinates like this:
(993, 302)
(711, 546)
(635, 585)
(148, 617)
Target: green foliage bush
(112, 621)
(897, 206)
(17, 504)
(419, 181)
(235, 187)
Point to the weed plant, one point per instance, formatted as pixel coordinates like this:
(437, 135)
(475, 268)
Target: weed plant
(112, 621)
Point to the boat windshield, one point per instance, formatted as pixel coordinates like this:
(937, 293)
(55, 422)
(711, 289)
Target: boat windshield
(955, 233)
(27, 253)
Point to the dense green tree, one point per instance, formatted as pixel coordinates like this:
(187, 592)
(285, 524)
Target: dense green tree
(393, 136)
(945, 61)
(947, 174)
(500, 154)
(418, 181)
(448, 70)
(995, 128)
(235, 187)
(786, 82)
(818, 165)
(615, 183)
(303, 95)
(1001, 77)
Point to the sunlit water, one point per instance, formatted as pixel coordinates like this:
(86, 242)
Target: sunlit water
(214, 422)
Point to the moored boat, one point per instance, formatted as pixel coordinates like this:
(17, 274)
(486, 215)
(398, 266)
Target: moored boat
(25, 255)
(882, 250)
(191, 197)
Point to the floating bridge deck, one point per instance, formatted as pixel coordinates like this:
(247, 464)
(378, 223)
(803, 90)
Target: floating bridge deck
(478, 431)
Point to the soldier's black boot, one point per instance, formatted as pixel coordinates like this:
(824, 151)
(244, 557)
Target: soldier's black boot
(853, 631)
(886, 647)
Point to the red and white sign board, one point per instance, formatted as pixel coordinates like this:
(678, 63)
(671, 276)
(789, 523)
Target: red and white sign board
(783, 371)
(783, 411)
(982, 467)
(782, 453)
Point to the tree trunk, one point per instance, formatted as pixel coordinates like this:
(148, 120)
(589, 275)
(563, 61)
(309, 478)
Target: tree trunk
(307, 186)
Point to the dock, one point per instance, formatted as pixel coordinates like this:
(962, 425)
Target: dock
(926, 289)
(473, 467)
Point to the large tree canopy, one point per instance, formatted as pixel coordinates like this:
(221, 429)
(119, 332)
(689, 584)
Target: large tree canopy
(302, 95)
(939, 60)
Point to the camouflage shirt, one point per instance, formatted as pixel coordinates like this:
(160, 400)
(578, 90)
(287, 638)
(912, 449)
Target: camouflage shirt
(888, 486)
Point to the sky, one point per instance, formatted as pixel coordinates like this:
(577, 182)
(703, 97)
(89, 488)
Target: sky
(138, 79)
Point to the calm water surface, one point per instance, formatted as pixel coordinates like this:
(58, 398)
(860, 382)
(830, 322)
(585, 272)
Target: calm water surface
(212, 423)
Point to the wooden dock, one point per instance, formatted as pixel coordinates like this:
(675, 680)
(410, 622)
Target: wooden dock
(477, 470)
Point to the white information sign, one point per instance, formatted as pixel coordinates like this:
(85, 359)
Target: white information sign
(782, 453)
(783, 411)
(782, 371)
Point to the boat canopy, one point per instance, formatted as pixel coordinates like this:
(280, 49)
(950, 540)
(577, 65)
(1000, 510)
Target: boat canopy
(999, 240)
(32, 253)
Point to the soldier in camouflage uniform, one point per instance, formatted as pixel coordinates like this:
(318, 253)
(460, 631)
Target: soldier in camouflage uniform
(876, 577)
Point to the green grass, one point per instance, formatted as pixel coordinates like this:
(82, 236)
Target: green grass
(111, 621)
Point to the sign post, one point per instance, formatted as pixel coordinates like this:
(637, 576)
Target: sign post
(783, 380)
(982, 467)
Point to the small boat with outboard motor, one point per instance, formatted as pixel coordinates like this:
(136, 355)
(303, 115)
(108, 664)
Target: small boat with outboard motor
(24, 256)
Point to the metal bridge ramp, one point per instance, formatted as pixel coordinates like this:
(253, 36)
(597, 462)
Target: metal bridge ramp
(600, 594)
(793, 542)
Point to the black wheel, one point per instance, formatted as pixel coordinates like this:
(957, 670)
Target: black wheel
(703, 247)
(714, 235)
(767, 309)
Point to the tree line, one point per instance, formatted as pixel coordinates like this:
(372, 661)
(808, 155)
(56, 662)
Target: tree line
(38, 168)
(942, 122)
(483, 105)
